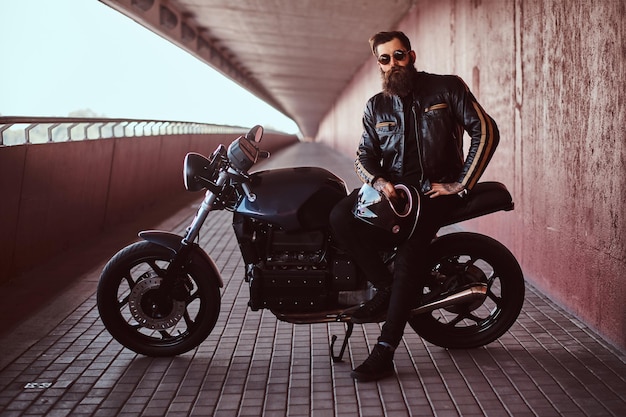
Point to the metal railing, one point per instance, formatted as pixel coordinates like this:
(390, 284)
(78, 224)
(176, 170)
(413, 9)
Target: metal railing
(25, 130)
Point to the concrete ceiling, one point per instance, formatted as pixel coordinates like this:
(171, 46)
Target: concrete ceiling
(297, 55)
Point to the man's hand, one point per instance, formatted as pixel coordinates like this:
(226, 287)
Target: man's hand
(447, 188)
(383, 186)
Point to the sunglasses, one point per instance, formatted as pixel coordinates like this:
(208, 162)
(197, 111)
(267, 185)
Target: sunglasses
(398, 55)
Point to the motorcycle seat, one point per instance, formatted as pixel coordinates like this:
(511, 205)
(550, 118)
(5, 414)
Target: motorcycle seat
(486, 197)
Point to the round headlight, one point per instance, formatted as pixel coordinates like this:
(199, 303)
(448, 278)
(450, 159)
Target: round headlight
(197, 171)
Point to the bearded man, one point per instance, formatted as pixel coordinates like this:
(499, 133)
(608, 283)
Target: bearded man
(413, 135)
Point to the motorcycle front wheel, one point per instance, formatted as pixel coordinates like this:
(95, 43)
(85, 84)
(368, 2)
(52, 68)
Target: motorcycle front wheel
(146, 319)
(464, 259)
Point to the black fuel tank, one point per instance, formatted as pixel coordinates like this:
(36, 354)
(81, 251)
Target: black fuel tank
(293, 198)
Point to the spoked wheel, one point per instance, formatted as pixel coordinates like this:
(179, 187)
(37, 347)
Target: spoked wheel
(144, 317)
(461, 260)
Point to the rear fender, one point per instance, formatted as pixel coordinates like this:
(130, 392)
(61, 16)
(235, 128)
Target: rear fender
(172, 241)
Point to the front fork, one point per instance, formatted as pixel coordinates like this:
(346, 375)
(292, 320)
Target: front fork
(205, 208)
(175, 281)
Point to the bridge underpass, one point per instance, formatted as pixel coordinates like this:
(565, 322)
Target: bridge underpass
(523, 82)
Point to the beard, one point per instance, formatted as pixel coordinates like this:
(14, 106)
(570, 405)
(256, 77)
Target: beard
(399, 81)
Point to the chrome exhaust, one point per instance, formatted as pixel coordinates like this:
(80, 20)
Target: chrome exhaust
(473, 293)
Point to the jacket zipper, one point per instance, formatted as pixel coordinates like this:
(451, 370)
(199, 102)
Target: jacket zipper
(419, 148)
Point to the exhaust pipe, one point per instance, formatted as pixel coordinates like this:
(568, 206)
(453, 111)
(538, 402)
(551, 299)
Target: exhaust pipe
(476, 292)
(473, 293)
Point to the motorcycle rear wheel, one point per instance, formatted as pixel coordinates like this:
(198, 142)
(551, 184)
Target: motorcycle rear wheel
(148, 321)
(463, 259)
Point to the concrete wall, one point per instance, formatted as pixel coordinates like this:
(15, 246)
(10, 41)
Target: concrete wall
(55, 196)
(552, 75)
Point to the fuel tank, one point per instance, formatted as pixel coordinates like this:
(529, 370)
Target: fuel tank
(293, 198)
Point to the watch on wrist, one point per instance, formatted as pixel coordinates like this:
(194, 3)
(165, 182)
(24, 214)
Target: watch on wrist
(463, 193)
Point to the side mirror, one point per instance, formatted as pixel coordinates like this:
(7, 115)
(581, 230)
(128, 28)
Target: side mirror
(255, 134)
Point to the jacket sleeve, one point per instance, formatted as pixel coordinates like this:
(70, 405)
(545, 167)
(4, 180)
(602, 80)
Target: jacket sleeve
(368, 161)
(483, 132)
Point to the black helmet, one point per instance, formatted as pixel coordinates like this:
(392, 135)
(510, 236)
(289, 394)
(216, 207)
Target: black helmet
(399, 220)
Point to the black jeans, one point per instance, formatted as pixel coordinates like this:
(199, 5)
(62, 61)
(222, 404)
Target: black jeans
(363, 243)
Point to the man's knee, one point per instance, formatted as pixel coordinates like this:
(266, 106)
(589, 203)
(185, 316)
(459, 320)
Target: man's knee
(341, 215)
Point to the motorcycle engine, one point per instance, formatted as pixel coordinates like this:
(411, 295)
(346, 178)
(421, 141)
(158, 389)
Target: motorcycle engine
(300, 250)
(291, 271)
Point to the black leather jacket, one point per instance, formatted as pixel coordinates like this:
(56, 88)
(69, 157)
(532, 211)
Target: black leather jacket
(443, 108)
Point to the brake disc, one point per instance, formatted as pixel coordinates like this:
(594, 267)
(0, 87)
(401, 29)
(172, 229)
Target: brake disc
(151, 309)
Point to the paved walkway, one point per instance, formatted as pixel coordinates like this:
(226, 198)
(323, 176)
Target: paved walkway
(56, 358)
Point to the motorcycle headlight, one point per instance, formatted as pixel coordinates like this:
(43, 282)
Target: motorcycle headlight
(197, 171)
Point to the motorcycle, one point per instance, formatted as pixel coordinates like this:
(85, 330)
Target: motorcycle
(161, 296)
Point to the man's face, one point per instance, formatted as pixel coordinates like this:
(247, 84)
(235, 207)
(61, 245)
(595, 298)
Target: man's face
(396, 67)
(390, 52)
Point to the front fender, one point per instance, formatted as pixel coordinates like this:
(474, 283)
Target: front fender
(172, 242)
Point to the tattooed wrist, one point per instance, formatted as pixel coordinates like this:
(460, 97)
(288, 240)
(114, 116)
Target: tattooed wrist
(379, 184)
(453, 187)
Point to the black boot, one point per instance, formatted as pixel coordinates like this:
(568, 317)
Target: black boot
(378, 365)
(374, 310)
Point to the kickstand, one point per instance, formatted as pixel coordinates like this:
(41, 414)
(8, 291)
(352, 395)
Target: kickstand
(339, 358)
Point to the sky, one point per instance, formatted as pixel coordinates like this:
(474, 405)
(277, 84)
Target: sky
(60, 56)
